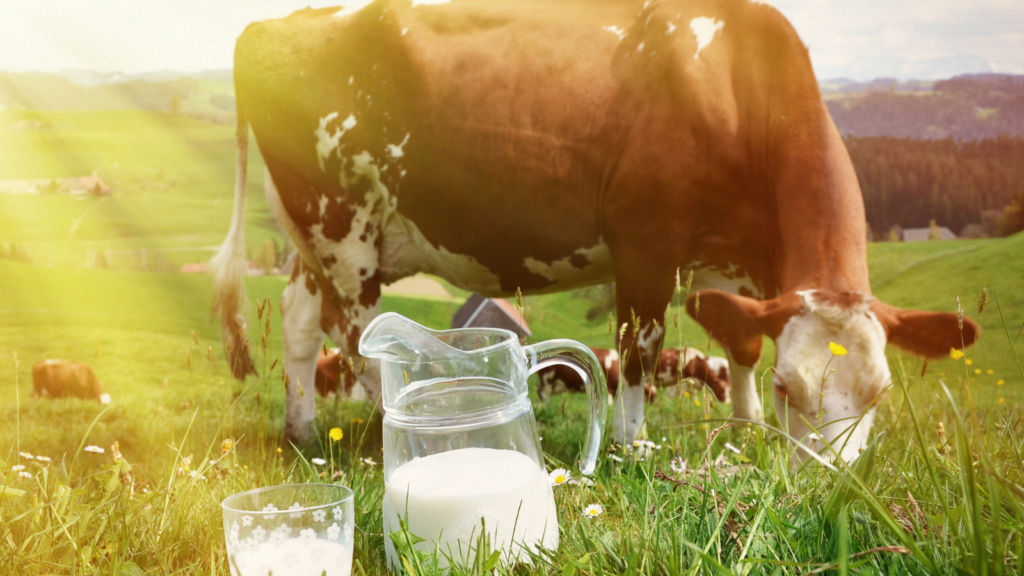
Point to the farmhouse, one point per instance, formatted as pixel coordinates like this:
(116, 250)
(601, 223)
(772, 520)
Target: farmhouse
(480, 312)
(76, 185)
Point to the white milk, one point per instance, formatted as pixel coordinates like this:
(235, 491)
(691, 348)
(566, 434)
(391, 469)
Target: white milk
(294, 557)
(450, 491)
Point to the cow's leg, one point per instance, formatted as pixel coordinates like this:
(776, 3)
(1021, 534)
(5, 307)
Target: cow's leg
(301, 305)
(746, 402)
(642, 295)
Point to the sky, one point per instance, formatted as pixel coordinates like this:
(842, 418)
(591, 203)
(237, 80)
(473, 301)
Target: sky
(859, 39)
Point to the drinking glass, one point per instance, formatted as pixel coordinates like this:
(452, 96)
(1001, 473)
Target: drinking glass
(290, 530)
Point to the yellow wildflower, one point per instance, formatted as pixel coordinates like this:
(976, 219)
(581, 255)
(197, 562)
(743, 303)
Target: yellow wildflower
(1000, 382)
(836, 349)
(990, 371)
(969, 361)
(696, 402)
(1001, 400)
(956, 354)
(279, 450)
(977, 370)
(337, 434)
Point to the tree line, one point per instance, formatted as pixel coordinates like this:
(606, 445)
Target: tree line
(973, 187)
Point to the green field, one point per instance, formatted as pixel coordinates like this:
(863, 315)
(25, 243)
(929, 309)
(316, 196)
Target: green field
(147, 332)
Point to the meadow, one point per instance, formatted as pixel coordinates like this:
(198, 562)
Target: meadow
(923, 498)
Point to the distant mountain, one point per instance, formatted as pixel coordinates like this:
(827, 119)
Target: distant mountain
(91, 78)
(864, 68)
(208, 96)
(968, 107)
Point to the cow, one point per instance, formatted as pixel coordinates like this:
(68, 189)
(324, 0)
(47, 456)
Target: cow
(330, 369)
(546, 145)
(59, 378)
(675, 365)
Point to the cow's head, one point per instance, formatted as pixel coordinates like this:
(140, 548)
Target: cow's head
(813, 386)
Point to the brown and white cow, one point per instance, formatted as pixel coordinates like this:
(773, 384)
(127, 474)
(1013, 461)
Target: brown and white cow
(675, 365)
(59, 378)
(552, 144)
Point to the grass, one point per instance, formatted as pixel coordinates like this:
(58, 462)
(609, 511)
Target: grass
(919, 501)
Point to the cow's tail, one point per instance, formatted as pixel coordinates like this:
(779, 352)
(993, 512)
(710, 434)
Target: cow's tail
(229, 265)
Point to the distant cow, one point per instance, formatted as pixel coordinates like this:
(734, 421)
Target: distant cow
(330, 367)
(674, 365)
(57, 378)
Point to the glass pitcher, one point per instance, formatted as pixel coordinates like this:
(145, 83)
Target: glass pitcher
(461, 452)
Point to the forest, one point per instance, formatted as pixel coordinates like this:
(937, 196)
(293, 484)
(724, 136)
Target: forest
(908, 182)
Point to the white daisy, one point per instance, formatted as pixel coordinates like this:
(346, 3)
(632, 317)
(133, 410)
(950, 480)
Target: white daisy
(368, 461)
(296, 510)
(733, 448)
(94, 449)
(559, 476)
(308, 534)
(593, 510)
(43, 458)
(584, 481)
(269, 508)
(615, 458)
(18, 468)
(678, 465)
(25, 474)
(319, 515)
(27, 455)
(196, 475)
(258, 533)
(318, 461)
(333, 531)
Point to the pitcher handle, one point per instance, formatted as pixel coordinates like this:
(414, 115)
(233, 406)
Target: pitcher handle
(580, 358)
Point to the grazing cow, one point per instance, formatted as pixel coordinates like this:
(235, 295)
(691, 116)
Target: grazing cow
(674, 366)
(548, 145)
(58, 378)
(330, 369)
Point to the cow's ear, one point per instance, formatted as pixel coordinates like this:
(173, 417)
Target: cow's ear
(928, 334)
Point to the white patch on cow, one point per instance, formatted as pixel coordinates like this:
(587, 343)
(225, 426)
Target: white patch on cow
(351, 79)
(565, 274)
(649, 338)
(326, 142)
(396, 149)
(628, 418)
(404, 30)
(704, 29)
(303, 337)
(671, 28)
(640, 47)
(853, 380)
(746, 402)
(610, 359)
(104, 398)
(323, 205)
(731, 279)
(406, 251)
(351, 7)
(616, 30)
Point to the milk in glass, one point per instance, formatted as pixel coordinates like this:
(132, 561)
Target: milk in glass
(294, 557)
(444, 496)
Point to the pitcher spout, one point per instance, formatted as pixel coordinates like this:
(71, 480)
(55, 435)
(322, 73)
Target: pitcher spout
(393, 337)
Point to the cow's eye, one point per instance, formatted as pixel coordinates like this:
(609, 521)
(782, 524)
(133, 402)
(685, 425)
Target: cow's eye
(780, 386)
